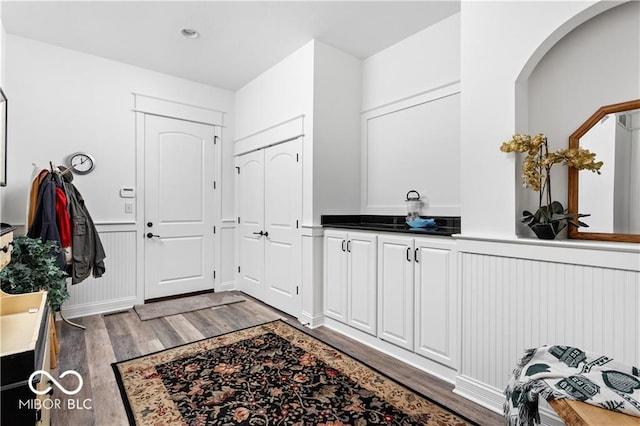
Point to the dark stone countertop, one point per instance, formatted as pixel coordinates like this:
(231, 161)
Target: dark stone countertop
(447, 225)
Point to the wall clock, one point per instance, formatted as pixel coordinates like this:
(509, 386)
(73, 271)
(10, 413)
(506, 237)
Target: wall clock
(81, 163)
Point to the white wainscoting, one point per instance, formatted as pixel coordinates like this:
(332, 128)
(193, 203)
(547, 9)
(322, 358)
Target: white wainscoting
(514, 299)
(118, 287)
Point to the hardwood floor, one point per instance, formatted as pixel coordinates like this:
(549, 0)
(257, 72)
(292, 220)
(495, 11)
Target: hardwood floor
(119, 336)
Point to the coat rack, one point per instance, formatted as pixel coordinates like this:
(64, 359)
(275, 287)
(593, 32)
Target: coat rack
(62, 316)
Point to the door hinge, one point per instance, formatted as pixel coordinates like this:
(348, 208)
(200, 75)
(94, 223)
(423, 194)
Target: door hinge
(214, 275)
(214, 184)
(215, 140)
(214, 229)
(297, 290)
(297, 224)
(238, 219)
(238, 269)
(297, 158)
(238, 169)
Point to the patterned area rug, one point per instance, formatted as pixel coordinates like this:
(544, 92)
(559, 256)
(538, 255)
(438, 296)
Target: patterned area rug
(271, 374)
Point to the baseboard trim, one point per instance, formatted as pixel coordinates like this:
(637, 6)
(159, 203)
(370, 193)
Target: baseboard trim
(493, 399)
(486, 396)
(76, 311)
(435, 369)
(311, 321)
(227, 286)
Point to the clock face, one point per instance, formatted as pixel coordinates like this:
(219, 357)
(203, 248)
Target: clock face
(81, 163)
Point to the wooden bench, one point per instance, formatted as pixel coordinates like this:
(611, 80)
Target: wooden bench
(576, 413)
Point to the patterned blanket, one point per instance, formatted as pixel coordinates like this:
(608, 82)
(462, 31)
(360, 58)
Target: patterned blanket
(554, 372)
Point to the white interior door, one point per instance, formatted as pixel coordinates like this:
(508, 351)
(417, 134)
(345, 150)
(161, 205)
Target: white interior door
(178, 206)
(282, 212)
(250, 205)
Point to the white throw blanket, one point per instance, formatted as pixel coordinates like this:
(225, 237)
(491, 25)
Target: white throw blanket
(554, 372)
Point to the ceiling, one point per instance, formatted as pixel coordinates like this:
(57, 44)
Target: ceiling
(238, 39)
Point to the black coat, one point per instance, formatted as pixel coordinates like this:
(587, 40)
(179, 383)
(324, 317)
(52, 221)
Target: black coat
(45, 225)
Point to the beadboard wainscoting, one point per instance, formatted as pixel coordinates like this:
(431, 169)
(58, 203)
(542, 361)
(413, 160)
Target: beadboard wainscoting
(521, 294)
(119, 287)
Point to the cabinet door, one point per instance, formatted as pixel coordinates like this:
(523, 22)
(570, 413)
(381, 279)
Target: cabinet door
(250, 207)
(362, 282)
(395, 301)
(335, 275)
(435, 292)
(282, 211)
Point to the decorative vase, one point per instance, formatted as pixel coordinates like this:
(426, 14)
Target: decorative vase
(546, 231)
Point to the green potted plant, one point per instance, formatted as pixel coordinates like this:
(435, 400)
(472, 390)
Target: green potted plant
(551, 217)
(34, 267)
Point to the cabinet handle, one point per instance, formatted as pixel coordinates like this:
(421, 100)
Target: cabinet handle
(349, 246)
(415, 255)
(408, 254)
(343, 249)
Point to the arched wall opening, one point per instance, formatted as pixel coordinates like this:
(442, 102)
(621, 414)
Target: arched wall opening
(591, 60)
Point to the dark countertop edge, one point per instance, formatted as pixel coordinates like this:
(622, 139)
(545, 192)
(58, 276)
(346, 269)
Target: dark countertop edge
(6, 230)
(448, 225)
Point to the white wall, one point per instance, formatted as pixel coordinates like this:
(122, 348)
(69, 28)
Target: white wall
(596, 64)
(422, 62)
(511, 288)
(282, 92)
(411, 122)
(65, 101)
(500, 41)
(323, 84)
(336, 132)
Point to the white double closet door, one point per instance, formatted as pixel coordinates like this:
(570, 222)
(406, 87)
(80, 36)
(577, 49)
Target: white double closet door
(269, 206)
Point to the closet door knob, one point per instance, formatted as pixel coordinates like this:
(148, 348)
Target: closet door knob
(149, 224)
(266, 234)
(150, 235)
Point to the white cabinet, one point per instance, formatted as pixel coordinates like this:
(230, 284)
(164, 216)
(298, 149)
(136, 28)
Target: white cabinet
(396, 300)
(350, 278)
(435, 299)
(269, 206)
(417, 295)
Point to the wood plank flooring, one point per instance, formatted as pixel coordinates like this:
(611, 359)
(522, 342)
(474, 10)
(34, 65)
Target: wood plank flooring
(120, 336)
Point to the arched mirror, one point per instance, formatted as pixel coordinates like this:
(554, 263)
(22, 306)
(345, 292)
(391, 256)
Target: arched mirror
(612, 198)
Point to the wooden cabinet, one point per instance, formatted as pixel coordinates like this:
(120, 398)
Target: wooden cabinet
(350, 278)
(417, 300)
(24, 348)
(269, 206)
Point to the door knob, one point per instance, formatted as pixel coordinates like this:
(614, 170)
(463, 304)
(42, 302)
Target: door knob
(259, 233)
(266, 234)
(150, 235)
(149, 224)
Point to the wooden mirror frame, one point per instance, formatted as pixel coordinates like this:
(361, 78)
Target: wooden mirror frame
(572, 206)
